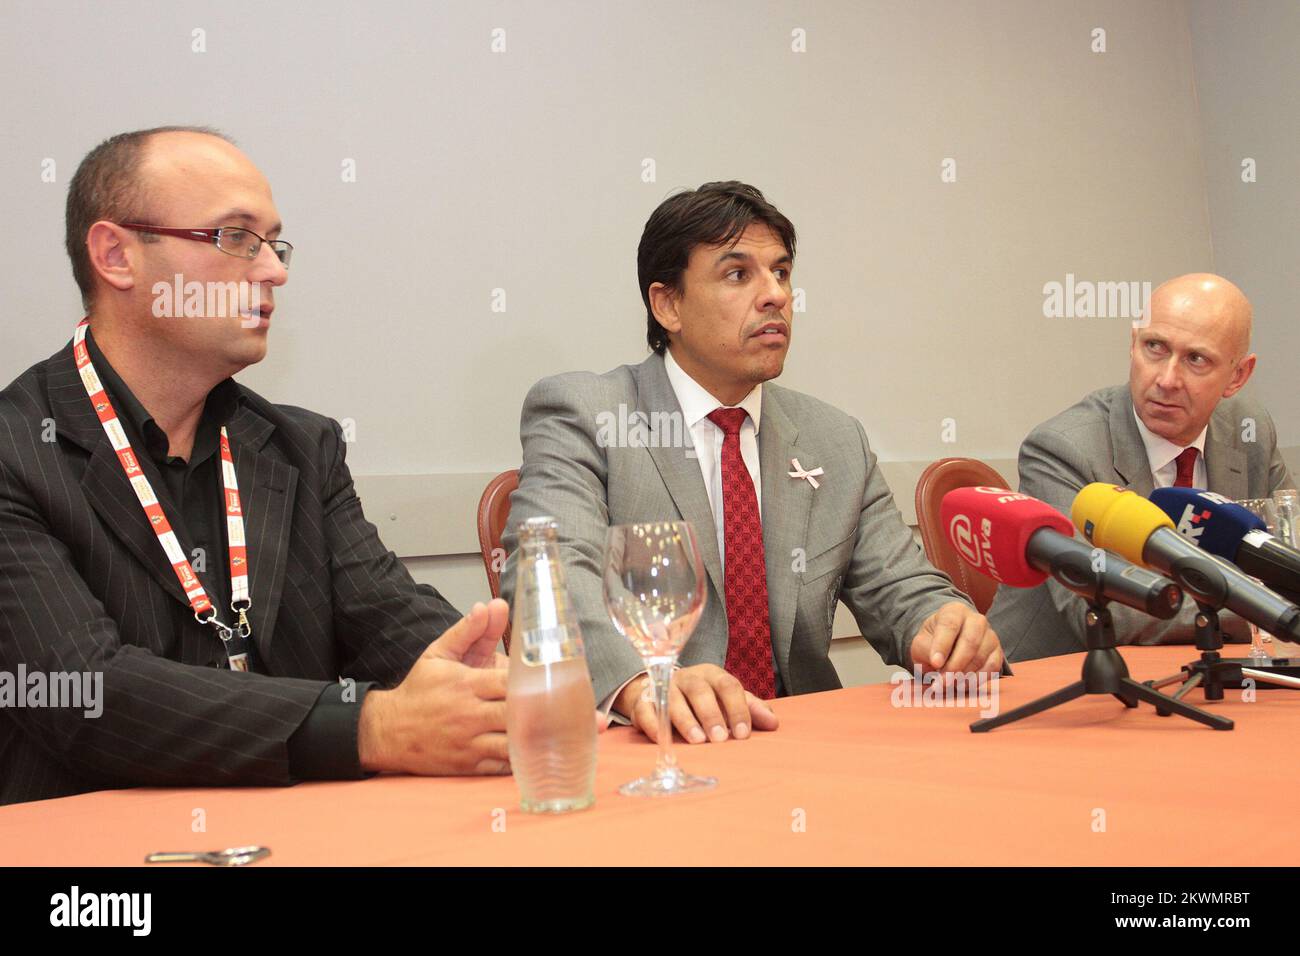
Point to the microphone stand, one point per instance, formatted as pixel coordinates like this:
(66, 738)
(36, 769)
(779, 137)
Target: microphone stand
(1213, 671)
(1104, 672)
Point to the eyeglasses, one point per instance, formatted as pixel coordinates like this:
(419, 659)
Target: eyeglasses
(232, 240)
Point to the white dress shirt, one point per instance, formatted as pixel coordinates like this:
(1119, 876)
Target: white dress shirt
(1162, 455)
(697, 403)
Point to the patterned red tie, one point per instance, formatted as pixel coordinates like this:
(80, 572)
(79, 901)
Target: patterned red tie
(749, 634)
(1186, 468)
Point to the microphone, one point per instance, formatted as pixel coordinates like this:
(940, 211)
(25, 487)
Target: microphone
(1123, 521)
(1229, 531)
(1019, 541)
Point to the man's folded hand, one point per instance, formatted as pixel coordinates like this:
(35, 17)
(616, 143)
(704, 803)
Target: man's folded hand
(705, 703)
(448, 715)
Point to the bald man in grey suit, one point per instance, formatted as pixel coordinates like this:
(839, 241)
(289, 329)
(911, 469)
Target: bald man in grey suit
(1182, 409)
(714, 266)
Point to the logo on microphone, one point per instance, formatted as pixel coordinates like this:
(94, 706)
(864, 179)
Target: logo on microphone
(1006, 495)
(974, 550)
(1189, 525)
(963, 539)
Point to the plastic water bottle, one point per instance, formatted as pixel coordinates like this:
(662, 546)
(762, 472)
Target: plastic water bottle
(550, 705)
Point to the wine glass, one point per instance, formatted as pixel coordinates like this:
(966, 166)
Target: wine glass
(1262, 646)
(1263, 508)
(1286, 501)
(654, 591)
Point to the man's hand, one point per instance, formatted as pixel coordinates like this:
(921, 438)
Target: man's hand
(957, 638)
(704, 704)
(448, 715)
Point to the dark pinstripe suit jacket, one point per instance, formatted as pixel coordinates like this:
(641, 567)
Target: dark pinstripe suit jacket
(85, 587)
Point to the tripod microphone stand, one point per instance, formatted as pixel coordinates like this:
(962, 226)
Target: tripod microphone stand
(1212, 671)
(1104, 672)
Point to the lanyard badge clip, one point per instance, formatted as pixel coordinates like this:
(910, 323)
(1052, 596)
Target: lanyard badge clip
(233, 639)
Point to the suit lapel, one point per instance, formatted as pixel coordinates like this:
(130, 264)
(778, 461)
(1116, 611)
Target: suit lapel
(1225, 462)
(787, 505)
(111, 495)
(1131, 463)
(266, 487)
(680, 472)
(105, 484)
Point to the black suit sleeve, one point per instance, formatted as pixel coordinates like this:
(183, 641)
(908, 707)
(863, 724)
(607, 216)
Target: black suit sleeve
(325, 746)
(161, 722)
(383, 620)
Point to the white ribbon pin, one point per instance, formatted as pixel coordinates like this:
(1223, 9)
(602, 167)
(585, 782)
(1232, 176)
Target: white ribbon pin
(799, 472)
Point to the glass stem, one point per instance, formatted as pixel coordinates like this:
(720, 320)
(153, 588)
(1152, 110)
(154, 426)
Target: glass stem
(661, 675)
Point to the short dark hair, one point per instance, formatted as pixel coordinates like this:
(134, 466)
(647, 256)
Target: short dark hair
(714, 214)
(107, 186)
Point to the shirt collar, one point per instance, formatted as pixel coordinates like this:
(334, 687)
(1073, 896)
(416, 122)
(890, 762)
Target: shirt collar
(695, 400)
(1161, 451)
(218, 408)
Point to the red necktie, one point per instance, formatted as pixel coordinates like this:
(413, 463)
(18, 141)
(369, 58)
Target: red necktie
(1186, 468)
(749, 634)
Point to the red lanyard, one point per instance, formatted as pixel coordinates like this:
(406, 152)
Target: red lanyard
(235, 639)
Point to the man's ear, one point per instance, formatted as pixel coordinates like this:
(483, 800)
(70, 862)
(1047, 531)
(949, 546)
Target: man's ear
(111, 255)
(1240, 376)
(663, 303)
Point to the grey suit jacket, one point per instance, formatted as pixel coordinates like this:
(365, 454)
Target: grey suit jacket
(1098, 440)
(842, 541)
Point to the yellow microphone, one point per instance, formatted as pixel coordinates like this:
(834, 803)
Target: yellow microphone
(1117, 519)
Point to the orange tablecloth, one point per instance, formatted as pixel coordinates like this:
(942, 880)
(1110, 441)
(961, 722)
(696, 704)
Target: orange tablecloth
(872, 784)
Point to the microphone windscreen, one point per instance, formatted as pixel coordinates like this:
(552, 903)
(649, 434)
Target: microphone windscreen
(1213, 523)
(990, 528)
(1117, 519)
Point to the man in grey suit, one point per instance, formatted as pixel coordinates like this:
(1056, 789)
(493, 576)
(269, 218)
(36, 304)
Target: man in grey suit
(698, 431)
(1181, 419)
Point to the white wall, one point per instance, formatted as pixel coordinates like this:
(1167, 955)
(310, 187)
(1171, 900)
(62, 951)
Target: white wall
(1247, 83)
(522, 170)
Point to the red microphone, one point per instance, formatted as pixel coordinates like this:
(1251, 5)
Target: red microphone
(991, 529)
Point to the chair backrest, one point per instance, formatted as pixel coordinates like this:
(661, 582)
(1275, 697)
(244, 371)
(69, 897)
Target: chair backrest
(493, 512)
(937, 480)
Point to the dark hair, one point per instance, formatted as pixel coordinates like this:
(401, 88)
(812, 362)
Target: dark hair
(714, 214)
(106, 186)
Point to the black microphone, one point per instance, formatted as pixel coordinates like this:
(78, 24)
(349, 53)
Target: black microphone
(1226, 529)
